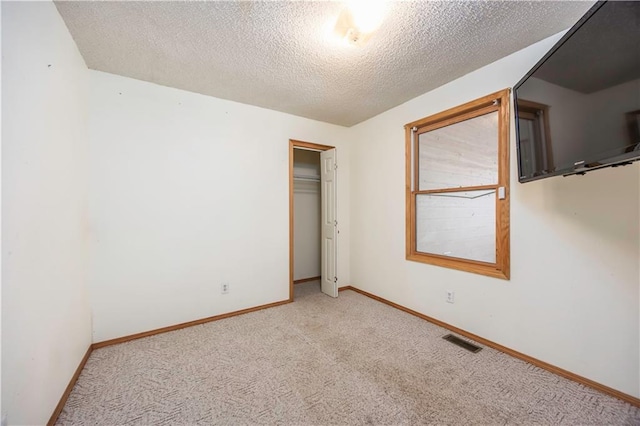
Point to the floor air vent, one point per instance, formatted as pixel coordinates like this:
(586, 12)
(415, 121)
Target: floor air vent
(462, 343)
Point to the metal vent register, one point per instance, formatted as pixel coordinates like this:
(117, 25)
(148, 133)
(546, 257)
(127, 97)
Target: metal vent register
(462, 343)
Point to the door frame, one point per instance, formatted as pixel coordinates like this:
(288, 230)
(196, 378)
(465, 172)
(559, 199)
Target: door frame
(293, 143)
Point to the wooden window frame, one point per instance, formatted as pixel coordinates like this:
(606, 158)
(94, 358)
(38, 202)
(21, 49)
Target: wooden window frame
(500, 102)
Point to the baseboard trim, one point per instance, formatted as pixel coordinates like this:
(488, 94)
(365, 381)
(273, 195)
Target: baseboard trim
(74, 379)
(544, 365)
(63, 400)
(185, 325)
(306, 280)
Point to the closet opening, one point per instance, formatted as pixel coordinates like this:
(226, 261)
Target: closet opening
(312, 217)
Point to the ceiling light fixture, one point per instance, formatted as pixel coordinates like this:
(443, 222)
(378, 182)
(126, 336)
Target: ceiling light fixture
(359, 19)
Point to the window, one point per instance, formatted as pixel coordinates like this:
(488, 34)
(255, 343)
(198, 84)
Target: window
(457, 187)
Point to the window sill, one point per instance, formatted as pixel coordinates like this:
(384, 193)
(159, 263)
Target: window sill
(474, 267)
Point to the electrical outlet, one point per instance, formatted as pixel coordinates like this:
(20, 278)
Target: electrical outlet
(450, 296)
(224, 288)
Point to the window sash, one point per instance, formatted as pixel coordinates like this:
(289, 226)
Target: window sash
(497, 102)
(458, 224)
(484, 177)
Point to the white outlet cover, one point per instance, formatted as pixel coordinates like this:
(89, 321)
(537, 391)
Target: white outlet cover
(451, 296)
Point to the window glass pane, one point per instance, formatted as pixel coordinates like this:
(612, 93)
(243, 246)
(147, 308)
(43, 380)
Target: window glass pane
(462, 154)
(457, 224)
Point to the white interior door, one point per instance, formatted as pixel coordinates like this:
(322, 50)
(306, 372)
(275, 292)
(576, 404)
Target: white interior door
(329, 231)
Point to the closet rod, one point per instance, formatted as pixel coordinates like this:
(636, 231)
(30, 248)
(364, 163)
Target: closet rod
(307, 178)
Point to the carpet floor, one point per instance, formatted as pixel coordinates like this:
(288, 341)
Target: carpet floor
(324, 361)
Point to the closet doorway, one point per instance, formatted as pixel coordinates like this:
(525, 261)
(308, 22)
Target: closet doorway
(312, 216)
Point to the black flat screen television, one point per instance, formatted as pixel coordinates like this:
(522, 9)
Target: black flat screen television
(578, 109)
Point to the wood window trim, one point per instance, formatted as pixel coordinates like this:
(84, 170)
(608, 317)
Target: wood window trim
(501, 268)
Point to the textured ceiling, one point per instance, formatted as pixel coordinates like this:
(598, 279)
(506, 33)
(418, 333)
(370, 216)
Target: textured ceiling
(278, 55)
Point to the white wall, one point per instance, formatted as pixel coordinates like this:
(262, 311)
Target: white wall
(3, 417)
(573, 298)
(187, 192)
(46, 320)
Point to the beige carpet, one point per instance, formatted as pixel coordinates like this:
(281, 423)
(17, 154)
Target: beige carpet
(324, 361)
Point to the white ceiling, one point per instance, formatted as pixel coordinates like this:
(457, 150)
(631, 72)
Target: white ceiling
(277, 55)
